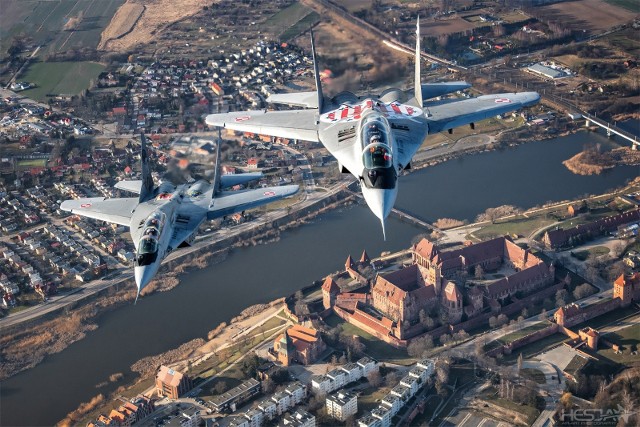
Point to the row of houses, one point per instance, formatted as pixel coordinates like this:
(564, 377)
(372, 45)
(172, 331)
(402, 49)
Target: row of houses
(17, 212)
(274, 406)
(391, 404)
(343, 375)
(126, 414)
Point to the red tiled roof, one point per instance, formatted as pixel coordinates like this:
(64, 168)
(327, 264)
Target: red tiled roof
(330, 285)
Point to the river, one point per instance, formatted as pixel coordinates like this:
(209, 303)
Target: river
(525, 176)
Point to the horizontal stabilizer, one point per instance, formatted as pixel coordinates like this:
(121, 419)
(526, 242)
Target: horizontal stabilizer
(296, 99)
(227, 181)
(433, 90)
(133, 186)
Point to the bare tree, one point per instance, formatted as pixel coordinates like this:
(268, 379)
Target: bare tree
(374, 378)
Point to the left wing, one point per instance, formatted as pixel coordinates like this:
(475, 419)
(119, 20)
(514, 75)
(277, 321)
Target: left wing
(118, 211)
(449, 115)
(229, 202)
(294, 124)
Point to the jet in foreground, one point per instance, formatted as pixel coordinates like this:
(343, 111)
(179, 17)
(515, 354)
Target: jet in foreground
(165, 217)
(373, 137)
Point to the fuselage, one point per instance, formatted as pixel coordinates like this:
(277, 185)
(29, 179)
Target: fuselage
(153, 224)
(373, 159)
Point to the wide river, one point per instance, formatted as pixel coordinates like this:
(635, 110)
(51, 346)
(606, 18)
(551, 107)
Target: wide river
(525, 176)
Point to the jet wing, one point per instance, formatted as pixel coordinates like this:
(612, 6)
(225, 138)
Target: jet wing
(131, 186)
(448, 115)
(229, 202)
(118, 211)
(294, 124)
(433, 90)
(296, 99)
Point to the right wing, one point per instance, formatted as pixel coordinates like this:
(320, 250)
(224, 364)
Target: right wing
(296, 99)
(229, 202)
(118, 211)
(293, 124)
(451, 114)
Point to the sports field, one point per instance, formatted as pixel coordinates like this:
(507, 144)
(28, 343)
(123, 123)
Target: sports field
(43, 21)
(69, 78)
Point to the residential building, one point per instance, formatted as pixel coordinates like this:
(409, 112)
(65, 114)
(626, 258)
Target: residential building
(321, 384)
(255, 416)
(299, 418)
(233, 398)
(383, 414)
(342, 405)
(369, 420)
(283, 402)
(171, 383)
(269, 408)
(297, 392)
(339, 378)
(353, 371)
(367, 365)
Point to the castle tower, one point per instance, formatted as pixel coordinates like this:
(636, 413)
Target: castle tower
(286, 350)
(330, 291)
(623, 288)
(348, 265)
(364, 259)
(452, 302)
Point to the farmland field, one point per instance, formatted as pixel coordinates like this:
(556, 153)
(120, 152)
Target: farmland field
(43, 21)
(589, 15)
(59, 78)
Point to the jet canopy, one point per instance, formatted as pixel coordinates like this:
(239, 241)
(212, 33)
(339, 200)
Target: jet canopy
(148, 245)
(375, 140)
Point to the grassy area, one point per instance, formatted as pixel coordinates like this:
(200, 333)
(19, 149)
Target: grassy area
(285, 17)
(594, 252)
(375, 348)
(629, 340)
(534, 375)
(378, 349)
(370, 398)
(528, 411)
(28, 163)
(43, 22)
(270, 324)
(521, 226)
(536, 347)
(523, 332)
(607, 318)
(631, 5)
(69, 78)
(300, 26)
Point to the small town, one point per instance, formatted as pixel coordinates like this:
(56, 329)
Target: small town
(504, 286)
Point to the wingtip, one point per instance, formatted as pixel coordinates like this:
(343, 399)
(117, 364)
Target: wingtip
(384, 231)
(137, 296)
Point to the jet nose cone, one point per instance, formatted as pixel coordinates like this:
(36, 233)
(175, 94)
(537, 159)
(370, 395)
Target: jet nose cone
(380, 202)
(143, 276)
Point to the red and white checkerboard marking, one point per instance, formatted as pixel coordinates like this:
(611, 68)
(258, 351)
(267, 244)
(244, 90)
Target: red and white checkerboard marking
(354, 112)
(242, 118)
(502, 100)
(85, 205)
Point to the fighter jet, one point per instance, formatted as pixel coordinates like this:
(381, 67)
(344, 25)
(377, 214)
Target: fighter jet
(166, 217)
(373, 137)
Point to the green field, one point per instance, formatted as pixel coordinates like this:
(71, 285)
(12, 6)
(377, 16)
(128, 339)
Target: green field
(631, 5)
(520, 226)
(29, 163)
(300, 26)
(594, 252)
(68, 78)
(43, 22)
(282, 20)
(534, 375)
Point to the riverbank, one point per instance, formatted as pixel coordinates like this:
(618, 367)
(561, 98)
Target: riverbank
(593, 162)
(24, 348)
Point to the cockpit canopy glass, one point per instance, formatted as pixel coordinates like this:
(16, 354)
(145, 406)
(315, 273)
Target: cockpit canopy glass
(148, 245)
(374, 131)
(155, 220)
(377, 156)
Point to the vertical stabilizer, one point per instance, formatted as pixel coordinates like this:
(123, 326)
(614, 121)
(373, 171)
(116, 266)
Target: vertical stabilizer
(217, 172)
(316, 75)
(417, 85)
(146, 189)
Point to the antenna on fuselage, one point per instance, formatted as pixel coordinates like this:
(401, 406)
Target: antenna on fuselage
(316, 75)
(417, 88)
